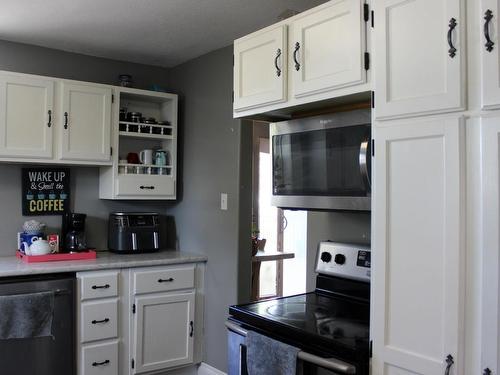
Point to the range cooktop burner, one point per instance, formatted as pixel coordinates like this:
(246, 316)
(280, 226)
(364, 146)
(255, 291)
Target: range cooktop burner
(297, 311)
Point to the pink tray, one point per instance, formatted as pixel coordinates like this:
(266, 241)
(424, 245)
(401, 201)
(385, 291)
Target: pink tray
(90, 254)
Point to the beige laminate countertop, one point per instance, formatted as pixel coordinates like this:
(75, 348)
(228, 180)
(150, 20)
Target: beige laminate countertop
(12, 266)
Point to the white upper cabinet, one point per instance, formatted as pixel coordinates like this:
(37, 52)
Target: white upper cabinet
(490, 54)
(418, 241)
(85, 122)
(490, 202)
(327, 48)
(419, 57)
(260, 69)
(26, 117)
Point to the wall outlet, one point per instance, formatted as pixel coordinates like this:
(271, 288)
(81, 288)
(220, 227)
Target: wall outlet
(223, 201)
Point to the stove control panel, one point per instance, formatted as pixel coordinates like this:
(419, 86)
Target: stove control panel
(344, 260)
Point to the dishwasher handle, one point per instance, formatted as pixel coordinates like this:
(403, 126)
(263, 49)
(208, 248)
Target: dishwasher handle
(328, 363)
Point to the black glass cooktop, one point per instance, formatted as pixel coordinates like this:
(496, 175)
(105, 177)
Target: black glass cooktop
(312, 319)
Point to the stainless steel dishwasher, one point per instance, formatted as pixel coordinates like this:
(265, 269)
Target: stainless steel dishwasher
(42, 355)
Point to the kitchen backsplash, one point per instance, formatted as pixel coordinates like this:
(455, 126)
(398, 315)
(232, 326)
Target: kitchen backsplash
(84, 198)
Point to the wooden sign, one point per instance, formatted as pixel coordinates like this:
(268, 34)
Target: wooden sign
(45, 191)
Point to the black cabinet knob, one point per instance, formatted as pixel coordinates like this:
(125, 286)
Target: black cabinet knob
(326, 257)
(340, 259)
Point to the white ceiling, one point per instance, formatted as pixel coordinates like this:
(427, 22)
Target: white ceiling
(156, 32)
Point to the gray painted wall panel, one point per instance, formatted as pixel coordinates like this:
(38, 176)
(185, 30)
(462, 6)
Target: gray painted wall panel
(211, 152)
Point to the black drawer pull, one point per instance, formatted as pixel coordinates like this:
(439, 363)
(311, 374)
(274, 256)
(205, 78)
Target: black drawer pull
(65, 120)
(103, 363)
(278, 54)
(449, 363)
(147, 187)
(169, 280)
(105, 320)
(452, 51)
(106, 286)
(487, 371)
(191, 328)
(49, 124)
(295, 51)
(488, 16)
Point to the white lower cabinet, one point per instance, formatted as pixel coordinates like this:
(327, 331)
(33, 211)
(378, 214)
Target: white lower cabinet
(418, 247)
(139, 320)
(490, 186)
(163, 331)
(99, 359)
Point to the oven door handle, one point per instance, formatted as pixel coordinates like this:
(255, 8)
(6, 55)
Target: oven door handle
(363, 162)
(328, 363)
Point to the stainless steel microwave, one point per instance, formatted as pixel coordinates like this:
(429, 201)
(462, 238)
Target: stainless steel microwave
(322, 162)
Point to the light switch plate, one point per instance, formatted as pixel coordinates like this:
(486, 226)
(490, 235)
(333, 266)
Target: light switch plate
(223, 201)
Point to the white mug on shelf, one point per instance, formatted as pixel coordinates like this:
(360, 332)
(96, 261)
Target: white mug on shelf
(146, 157)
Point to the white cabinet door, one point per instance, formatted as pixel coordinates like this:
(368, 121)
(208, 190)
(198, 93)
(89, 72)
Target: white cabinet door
(85, 122)
(260, 69)
(416, 70)
(327, 48)
(490, 54)
(26, 117)
(418, 247)
(490, 157)
(164, 326)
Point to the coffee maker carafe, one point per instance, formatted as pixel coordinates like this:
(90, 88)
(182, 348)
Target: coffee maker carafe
(73, 233)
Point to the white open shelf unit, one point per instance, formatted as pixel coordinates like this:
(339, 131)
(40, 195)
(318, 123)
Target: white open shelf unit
(142, 181)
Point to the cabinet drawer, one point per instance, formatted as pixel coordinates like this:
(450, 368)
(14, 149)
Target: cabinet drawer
(143, 185)
(163, 279)
(100, 359)
(98, 285)
(98, 320)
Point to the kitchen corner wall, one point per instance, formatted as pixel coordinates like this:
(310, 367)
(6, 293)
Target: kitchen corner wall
(85, 180)
(216, 158)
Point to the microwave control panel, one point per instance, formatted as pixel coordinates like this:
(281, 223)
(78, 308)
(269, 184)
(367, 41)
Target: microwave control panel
(345, 260)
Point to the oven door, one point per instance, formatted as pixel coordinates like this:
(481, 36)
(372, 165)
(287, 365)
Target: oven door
(321, 165)
(307, 364)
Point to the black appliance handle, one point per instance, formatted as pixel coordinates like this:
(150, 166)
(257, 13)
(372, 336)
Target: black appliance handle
(103, 363)
(105, 286)
(335, 365)
(488, 16)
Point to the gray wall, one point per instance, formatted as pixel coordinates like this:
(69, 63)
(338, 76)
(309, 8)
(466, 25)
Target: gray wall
(85, 180)
(350, 227)
(211, 148)
(25, 58)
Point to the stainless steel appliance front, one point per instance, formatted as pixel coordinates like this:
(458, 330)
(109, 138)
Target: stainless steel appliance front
(323, 162)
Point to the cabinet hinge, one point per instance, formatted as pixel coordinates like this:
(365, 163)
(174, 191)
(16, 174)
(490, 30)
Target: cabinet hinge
(133, 363)
(133, 308)
(112, 98)
(373, 18)
(373, 99)
(366, 12)
(373, 147)
(371, 349)
(367, 60)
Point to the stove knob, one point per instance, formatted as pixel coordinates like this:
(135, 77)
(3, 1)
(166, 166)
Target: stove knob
(340, 259)
(326, 257)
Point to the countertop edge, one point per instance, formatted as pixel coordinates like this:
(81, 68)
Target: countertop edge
(10, 266)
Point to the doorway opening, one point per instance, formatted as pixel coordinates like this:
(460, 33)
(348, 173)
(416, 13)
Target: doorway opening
(278, 236)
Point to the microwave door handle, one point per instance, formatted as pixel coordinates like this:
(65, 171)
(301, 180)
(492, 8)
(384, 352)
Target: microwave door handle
(363, 162)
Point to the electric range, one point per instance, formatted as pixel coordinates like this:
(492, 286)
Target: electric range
(329, 325)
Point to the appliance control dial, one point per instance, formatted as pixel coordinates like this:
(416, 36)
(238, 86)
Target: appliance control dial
(339, 259)
(326, 257)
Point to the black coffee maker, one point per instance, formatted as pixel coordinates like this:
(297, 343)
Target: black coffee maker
(73, 233)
